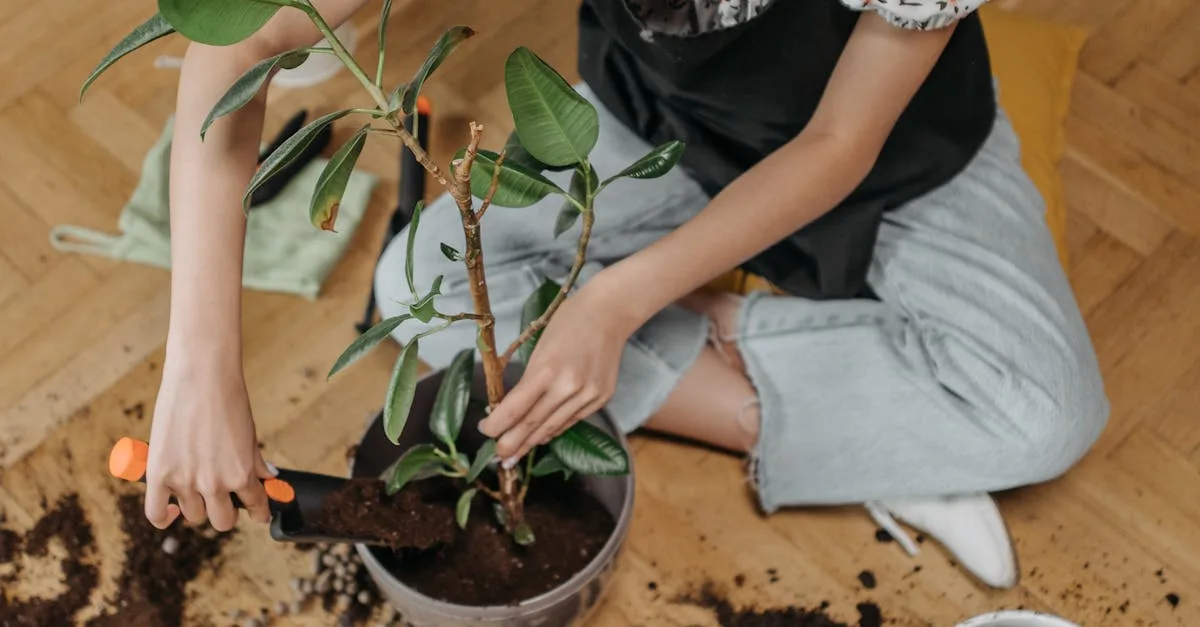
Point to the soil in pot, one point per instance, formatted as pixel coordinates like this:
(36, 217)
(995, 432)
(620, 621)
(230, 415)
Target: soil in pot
(405, 520)
(481, 565)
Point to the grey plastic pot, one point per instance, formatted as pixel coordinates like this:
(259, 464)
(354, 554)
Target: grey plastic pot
(567, 605)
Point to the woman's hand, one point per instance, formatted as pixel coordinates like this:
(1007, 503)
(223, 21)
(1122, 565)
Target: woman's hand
(571, 375)
(203, 446)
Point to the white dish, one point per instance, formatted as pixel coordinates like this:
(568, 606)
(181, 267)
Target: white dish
(1016, 618)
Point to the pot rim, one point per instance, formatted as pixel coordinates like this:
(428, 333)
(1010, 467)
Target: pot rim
(1043, 619)
(551, 596)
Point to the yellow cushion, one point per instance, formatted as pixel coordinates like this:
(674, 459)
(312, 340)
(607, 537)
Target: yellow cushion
(1034, 61)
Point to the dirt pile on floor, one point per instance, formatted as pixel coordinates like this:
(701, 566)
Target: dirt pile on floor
(159, 564)
(67, 524)
(709, 596)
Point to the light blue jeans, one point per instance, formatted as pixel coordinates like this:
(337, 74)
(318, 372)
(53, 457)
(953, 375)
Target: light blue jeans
(973, 372)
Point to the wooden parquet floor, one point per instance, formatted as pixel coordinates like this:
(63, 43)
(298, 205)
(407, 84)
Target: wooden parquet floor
(81, 338)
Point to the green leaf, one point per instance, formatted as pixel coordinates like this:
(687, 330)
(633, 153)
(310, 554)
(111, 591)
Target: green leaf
(518, 186)
(415, 461)
(556, 124)
(454, 394)
(500, 514)
(423, 309)
(566, 218)
(217, 22)
(367, 341)
(483, 457)
(523, 534)
(412, 242)
(583, 184)
(548, 465)
(516, 153)
(331, 185)
(400, 393)
(655, 164)
(451, 252)
(536, 305)
(451, 39)
(152, 29)
(587, 449)
(287, 152)
(249, 84)
(462, 511)
(381, 39)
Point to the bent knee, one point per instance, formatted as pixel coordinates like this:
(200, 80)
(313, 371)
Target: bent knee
(1059, 435)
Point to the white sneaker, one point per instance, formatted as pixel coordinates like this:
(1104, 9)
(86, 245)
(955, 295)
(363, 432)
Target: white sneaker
(969, 526)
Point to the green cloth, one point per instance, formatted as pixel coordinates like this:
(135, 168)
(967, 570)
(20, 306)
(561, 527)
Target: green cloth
(284, 251)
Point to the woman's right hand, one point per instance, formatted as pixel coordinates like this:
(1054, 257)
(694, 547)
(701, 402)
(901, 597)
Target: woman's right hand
(203, 446)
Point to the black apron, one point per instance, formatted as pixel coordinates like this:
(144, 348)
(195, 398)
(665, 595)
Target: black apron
(736, 95)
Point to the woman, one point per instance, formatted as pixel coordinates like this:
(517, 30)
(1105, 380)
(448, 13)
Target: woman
(926, 349)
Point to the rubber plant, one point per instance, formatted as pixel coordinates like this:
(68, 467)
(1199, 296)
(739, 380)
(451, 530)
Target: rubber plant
(555, 129)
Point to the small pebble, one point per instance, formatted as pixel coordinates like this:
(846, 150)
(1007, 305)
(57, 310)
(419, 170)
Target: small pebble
(346, 620)
(296, 585)
(307, 586)
(340, 570)
(338, 585)
(343, 603)
(323, 582)
(329, 560)
(295, 607)
(390, 614)
(353, 568)
(364, 597)
(342, 550)
(170, 545)
(281, 608)
(316, 563)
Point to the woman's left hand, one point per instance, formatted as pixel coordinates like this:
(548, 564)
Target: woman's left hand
(571, 374)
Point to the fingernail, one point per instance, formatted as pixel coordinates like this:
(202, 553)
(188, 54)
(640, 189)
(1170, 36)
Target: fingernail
(272, 468)
(509, 463)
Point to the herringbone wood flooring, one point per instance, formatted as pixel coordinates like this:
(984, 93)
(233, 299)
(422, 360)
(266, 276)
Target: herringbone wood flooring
(81, 338)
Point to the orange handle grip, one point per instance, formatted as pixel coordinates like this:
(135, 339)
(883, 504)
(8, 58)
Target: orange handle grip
(128, 460)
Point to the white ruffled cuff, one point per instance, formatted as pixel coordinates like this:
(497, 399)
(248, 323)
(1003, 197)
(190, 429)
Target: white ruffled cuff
(918, 14)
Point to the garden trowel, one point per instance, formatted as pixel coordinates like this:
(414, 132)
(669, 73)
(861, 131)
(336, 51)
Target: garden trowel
(296, 499)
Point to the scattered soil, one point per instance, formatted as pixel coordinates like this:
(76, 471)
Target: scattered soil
(158, 566)
(792, 616)
(483, 566)
(867, 579)
(67, 523)
(10, 545)
(1173, 599)
(882, 535)
(405, 520)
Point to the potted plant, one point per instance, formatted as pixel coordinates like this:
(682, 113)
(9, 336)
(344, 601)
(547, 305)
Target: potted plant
(420, 446)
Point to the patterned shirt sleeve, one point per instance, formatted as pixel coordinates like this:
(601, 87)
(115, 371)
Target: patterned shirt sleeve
(918, 14)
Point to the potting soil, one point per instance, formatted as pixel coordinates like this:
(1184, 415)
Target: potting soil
(363, 509)
(158, 566)
(67, 523)
(727, 615)
(482, 565)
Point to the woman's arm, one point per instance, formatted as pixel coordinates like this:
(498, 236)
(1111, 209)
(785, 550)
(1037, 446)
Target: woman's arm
(875, 78)
(202, 442)
(573, 370)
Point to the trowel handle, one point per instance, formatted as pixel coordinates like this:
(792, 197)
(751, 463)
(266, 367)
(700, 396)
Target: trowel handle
(129, 456)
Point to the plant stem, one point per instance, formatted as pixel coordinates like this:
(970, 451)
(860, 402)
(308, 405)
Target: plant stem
(344, 55)
(487, 201)
(580, 255)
